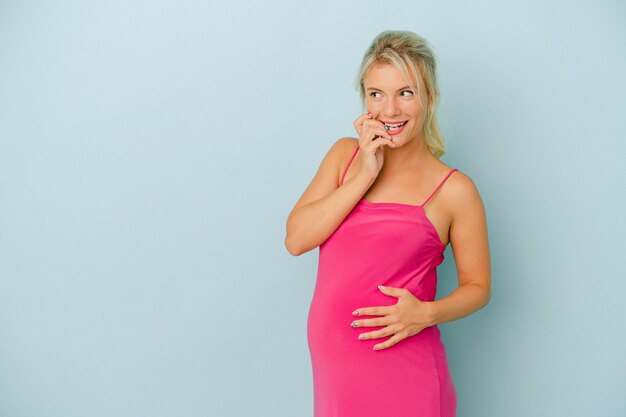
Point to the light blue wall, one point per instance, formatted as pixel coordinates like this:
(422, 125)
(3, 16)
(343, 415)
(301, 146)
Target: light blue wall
(150, 153)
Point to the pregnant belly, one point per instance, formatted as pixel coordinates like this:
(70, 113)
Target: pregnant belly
(331, 338)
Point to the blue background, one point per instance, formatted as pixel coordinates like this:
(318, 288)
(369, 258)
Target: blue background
(150, 153)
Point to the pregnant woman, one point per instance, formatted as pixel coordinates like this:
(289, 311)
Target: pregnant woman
(382, 209)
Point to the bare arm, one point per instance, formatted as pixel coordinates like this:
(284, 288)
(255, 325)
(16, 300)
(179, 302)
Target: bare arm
(324, 205)
(469, 240)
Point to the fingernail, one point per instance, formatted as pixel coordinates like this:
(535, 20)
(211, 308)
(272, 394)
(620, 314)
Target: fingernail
(353, 324)
(381, 287)
(361, 337)
(356, 313)
(369, 114)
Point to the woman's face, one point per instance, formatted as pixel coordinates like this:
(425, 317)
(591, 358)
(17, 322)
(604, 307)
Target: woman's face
(390, 100)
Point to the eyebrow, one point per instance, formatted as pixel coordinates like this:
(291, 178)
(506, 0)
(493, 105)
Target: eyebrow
(406, 87)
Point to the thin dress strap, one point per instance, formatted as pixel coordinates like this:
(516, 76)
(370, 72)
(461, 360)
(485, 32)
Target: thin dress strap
(438, 187)
(351, 159)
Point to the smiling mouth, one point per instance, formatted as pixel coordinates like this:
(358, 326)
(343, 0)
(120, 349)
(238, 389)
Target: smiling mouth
(394, 126)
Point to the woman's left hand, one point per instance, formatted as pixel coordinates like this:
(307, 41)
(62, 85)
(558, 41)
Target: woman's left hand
(404, 319)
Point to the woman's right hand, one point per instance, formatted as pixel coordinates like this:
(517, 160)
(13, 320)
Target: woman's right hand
(372, 138)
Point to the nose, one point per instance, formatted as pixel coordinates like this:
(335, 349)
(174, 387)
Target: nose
(392, 107)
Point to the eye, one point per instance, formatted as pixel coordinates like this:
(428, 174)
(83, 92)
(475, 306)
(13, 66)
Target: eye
(374, 94)
(406, 93)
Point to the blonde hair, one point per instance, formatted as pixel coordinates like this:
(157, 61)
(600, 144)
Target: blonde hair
(411, 54)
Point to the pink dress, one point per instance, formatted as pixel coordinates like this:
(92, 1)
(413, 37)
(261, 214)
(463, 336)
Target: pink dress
(392, 244)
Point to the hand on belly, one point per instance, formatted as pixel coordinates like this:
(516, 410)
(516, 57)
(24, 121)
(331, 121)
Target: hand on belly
(406, 318)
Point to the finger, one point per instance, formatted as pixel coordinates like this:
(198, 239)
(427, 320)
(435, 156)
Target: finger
(371, 322)
(390, 342)
(358, 123)
(394, 291)
(376, 124)
(373, 311)
(371, 122)
(370, 130)
(377, 334)
(383, 141)
(382, 133)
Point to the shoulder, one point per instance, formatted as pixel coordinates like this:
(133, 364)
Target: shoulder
(337, 158)
(456, 183)
(461, 181)
(343, 149)
(461, 192)
(346, 146)
(338, 152)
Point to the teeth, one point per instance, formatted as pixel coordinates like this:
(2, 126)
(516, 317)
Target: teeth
(393, 127)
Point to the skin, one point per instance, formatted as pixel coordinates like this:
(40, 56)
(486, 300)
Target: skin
(398, 169)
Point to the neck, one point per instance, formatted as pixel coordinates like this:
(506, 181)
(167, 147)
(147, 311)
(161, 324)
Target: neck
(410, 154)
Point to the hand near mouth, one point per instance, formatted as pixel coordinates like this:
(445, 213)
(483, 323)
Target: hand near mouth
(372, 137)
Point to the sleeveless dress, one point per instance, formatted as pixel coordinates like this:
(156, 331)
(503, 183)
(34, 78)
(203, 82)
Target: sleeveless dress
(391, 244)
